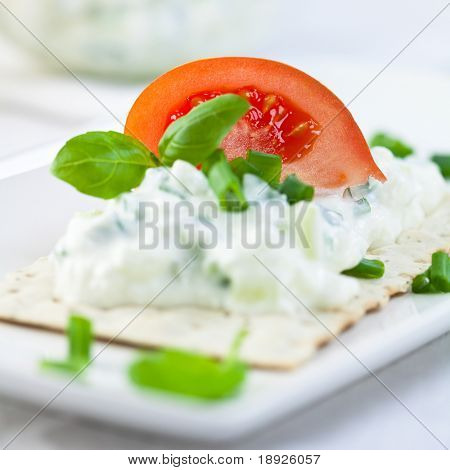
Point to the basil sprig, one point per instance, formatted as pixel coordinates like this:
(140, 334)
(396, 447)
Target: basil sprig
(195, 136)
(106, 164)
(103, 164)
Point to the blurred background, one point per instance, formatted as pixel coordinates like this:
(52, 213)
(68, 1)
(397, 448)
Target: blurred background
(68, 66)
(115, 47)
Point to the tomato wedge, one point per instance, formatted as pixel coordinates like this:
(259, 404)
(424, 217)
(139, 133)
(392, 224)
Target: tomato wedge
(291, 114)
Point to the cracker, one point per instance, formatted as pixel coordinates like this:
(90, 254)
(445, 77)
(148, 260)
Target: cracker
(274, 341)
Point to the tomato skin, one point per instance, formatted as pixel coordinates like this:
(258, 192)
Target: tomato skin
(339, 157)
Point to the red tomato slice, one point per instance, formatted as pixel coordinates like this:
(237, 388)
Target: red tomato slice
(291, 114)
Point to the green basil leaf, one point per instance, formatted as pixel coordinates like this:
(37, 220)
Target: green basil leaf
(195, 136)
(103, 164)
(189, 373)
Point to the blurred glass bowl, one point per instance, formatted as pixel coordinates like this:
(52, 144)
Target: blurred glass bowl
(136, 38)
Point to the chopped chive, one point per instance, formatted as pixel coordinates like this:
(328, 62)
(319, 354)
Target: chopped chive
(214, 158)
(399, 148)
(440, 271)
(422, 284)
(266, 165)
(79, 334)
(296, 190)
(366, 269)
(226, 186)
(79, 331)
(436, 279)
(443, 162)
(240, 167)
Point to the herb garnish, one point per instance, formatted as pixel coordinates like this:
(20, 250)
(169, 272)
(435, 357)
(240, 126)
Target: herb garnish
(227, 186)
(296, 190)
(106, 164)
(195, 136)
(103, 164)
(399, 148)
(436, 279)
(191, 374)
(79, 334)
(366, 269)
(264, 165)
(443, 162)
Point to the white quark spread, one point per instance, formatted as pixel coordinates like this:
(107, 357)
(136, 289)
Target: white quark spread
(168, 242)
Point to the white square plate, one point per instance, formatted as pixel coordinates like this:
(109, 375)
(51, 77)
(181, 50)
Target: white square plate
(35, 214)
(35, 208)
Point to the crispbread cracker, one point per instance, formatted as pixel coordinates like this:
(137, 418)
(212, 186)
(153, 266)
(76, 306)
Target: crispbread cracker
(274, 341)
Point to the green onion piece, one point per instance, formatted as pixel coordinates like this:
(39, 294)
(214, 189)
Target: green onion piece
(240, 167)
(266, 165)
(191, 374)
(296, 190)
(436, 279)
(79, 333)
(443, 162)
(226, 186)
(366, 269)
(217, 156)
(440, 271)
(396, 146)
(422, 284)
